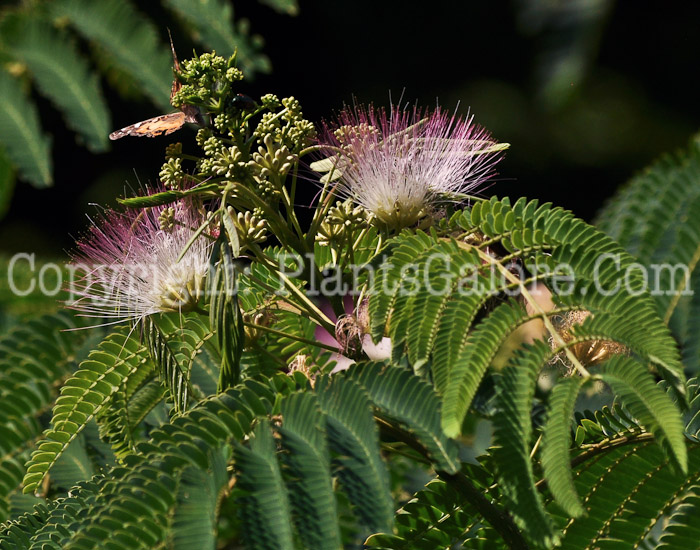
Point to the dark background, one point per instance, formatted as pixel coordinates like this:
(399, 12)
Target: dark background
(586, 93)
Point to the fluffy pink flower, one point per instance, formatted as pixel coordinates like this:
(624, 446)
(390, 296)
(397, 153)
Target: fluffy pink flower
(399, 164)
(130, 264)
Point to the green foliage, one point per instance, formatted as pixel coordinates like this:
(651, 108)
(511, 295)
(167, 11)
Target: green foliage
(628, 488)
(682, 531)
(649, 404)
(525, 230)
(458, 365)
(654, 218)
(264, 503)
(322, 435)
(281, 481)
(354, 440)
(195, 518)
(21, 136)
(34, 358)
(82, 397)
(62, 75)
(388, 387)
(556, 443)
(172, 370)
(308, 462)
(512, 435)
(446, 337)
(439, 515)
(132, 40)
(225, 314)
(626, 492)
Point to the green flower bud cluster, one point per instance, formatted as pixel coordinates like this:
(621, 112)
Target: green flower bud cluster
(272, 160)
(173, 150)
(224, 122)
(203, 134)
(212, 146)
(340, 222)
(286, 127)
(252, 229)
(228, 162)
(268, 190)
(244, 142)
(262, 160)
(171, 174)
(206, 81)
(271, 102)
(166, 219)
(347, 134)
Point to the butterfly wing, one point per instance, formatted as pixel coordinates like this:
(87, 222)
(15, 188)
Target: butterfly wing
(156, 126)
(163, 124)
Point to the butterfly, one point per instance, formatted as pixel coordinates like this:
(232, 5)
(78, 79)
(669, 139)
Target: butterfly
(163, 124)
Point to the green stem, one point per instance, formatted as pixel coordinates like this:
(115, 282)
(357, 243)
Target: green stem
(609, 444)
(602, 447)
(293, 190)
(324, 205)
(291, 215)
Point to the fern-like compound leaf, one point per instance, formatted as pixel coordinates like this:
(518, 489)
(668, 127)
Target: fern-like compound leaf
(62, 75)
(512, 440)
(410, 400)
(21, 135)
(654, 218)
(307, 460)
(174, 375)
(649, 404)
(265, 506)
(129, 38)
(82, 397)
(34, 357)
(468, 368)
(683, 530)
(626, 491)
(195, 516)
(353, 438)
(556, 442)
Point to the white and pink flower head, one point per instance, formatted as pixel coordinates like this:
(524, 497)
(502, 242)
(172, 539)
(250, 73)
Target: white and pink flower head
(132, 267)
(399, 164)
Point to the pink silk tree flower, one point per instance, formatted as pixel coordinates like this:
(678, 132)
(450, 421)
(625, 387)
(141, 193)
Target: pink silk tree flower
(130, 267)
(399, 165)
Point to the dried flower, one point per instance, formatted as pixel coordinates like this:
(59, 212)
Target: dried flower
(400, 164)
(131, 268)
